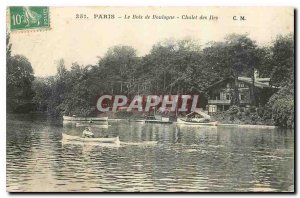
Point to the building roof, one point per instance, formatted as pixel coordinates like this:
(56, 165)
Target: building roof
(199, 112)
(259, 82)
(263, 79)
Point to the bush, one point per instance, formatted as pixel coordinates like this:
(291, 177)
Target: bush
(283, 112)
(254, 118)
(233, 110)
(240, 115)
(260, 111)
(267, 112)
(282, 105)
(252, 109)
(247, 112)
(231, 118)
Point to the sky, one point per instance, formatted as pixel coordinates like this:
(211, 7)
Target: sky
(85, 40)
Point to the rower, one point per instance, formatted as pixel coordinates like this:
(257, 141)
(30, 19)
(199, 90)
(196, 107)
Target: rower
(87, 133)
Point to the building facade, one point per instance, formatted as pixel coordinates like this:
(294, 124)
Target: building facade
(221, 93)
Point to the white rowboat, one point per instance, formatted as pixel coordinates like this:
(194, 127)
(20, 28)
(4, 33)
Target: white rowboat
(76, 139)
(74, 118)
(180, 121)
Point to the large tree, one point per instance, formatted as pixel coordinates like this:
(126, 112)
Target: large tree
(283, 61)
(282, 103)
(116, 68)
(19, 77)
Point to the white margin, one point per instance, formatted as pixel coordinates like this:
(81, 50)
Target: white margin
(5, 3)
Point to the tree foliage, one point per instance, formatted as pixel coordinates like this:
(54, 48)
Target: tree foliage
(282, 106)
(282, 61)
(19, 77)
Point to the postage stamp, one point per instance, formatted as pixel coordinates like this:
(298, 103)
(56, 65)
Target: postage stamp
(23, 18)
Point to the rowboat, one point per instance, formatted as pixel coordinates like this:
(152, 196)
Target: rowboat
(139, 121)
(100, 126)
(181, 121)
(76, 139)
(158, 121)
(75, 118)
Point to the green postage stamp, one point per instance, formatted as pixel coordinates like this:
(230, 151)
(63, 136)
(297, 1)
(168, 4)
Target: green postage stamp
(23, 18)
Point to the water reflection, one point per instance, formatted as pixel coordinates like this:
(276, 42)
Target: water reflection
(185, 158)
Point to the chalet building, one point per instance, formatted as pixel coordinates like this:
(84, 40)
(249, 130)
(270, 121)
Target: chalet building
(220, 93)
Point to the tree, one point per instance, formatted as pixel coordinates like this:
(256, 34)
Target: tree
(176, 66)
(8, 47)
(42, 90)
(282, 61)
(117, 67)
(58, 89)
(77, 97)
(19, 77)
(282, 103)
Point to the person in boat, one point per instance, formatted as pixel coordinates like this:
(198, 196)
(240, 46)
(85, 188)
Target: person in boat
(87, 133)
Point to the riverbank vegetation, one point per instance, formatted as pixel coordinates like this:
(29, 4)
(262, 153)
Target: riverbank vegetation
(171, 67)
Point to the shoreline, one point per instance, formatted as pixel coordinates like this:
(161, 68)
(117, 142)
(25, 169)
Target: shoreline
(10, 116)
(222, 124)
(258, 126)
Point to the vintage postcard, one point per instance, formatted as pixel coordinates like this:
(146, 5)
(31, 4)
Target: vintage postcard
(150, 99)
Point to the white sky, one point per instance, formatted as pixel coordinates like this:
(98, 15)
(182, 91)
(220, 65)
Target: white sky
(82, 41)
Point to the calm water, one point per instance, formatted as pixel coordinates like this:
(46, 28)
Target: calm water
(184, 159)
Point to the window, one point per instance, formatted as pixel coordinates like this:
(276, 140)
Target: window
(241, 85)
(242, 97)
(212, 108)
(217, 96)
(223, 96)
(227, 97)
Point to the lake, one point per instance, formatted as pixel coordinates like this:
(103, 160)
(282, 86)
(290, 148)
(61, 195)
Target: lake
(185, 158)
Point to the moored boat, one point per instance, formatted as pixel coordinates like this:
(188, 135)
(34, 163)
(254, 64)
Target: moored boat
(159, 121)
(75, 118)
(93, 125)
(181, 121)
(197, 117)
(76, 139)
(139, 121)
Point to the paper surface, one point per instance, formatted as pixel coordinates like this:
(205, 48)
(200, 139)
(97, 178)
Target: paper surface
(150, 99)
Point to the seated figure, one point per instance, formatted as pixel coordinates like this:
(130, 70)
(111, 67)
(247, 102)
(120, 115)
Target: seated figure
(87, 133)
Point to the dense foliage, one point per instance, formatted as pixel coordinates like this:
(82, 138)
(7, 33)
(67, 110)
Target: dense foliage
(19, 77)
(282, 103)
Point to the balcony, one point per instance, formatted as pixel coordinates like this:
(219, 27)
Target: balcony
(222, 102)
(225, 102)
